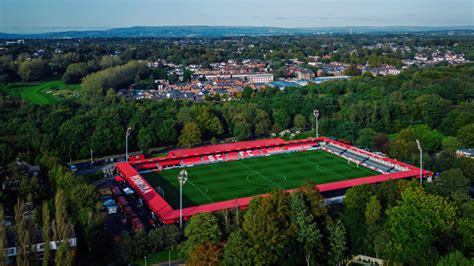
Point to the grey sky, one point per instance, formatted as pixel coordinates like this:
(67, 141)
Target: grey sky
(54, 15)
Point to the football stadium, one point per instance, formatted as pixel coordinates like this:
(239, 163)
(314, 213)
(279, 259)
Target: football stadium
(227, 176)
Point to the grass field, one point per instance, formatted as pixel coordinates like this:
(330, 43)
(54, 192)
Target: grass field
(250, 177)
(48, 92)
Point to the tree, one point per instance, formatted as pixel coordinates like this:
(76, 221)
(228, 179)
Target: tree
(164, 237)
(282, 118)
(454, 185)
(466, 135)
(247, 93)
(46, 234)
(237, 250)
(300, 122)
(373, 213)
(455, 258)
(432, 109)
(466, 235)
(415, 224)
(353, 70)
(74, 73)
(205, 254)
(264, 123)
(355, 203)
(202, 229)
(32, 70)
(24, 233)
(209, 123)
(267, 225)
(95, 85)
(146, 138)
(347, 130)
(308, 234)
(380, 142)
(3, 235)
(107, 61)
(190, 135)
(451, 144)
(187, 75)
(366, 137)
(430, 140)
(467, 167)
(337, 242)
(62, 231)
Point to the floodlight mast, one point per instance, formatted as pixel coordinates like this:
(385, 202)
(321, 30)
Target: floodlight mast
(316, 116)
(129, 131)
(418, 145)
(182, 178)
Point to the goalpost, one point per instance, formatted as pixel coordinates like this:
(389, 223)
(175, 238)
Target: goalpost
(161, 191)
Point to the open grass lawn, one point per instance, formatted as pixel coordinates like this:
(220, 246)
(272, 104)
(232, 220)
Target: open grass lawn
(48, 92)
(250, 177)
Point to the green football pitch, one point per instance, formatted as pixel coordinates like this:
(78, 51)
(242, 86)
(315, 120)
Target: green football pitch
(255, 176)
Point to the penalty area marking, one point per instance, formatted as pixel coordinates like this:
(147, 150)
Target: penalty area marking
(204, 194)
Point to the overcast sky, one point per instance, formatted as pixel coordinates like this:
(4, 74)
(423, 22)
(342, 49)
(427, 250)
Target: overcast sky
(58, 15)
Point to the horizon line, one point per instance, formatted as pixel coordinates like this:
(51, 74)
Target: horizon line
(51, 29)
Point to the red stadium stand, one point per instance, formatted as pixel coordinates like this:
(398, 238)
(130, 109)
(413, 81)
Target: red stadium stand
(220, 157)
(192, 161)
(294, 147)
(170, 163)
(232, 156)
(257, 153)
(275, 150)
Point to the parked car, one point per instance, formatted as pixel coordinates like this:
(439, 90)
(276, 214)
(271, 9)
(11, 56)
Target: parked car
(117, 192)
(112, 209)
(73, 167)
(137, 224)
(109, 203)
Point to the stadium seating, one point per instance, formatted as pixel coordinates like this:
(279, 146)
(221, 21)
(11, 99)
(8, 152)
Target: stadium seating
(275, 150)
(220, 157)
(295, 147)
(170, 163)
(232, 156)
(192, 161)
(208, 159)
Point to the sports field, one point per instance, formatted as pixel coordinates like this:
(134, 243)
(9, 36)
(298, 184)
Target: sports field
(48, 92)
(250, 177)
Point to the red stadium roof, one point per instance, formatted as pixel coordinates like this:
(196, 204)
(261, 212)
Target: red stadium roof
(220, 148)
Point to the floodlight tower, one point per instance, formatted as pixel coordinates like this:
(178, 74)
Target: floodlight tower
(421, 160)
(182, 178)
(129, 131)
(316, 126)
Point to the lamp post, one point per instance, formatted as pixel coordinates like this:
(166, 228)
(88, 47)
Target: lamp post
(70, 154)
(316, 126)
(182, 178)
(129, 130)
(421, 160)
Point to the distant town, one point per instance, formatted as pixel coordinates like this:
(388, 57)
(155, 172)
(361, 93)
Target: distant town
(229, 78)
